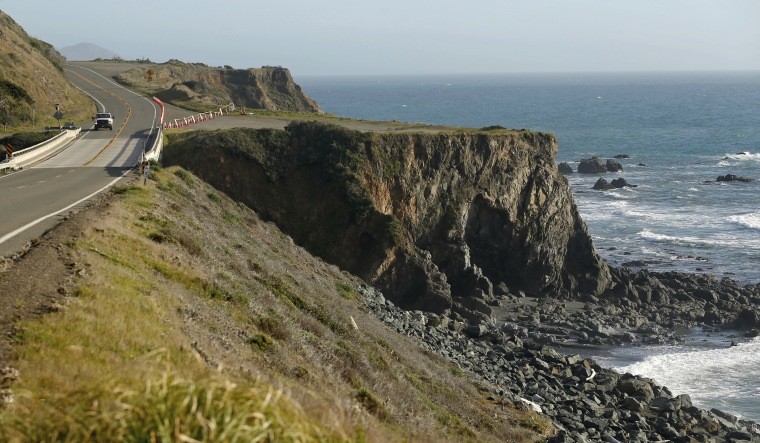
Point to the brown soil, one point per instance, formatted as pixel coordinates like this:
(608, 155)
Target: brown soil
(35, 281)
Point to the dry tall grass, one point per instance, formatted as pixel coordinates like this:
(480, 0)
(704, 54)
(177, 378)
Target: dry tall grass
(193, 320)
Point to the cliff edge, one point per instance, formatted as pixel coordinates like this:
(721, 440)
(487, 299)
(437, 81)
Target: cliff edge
(439, 222)
(199, 87)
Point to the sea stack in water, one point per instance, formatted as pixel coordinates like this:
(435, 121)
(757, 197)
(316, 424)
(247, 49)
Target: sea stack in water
(594, 165)
(565, 168)
(603, 185)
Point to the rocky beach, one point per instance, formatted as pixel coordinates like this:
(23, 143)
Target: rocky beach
(584, 400)
(500, 277)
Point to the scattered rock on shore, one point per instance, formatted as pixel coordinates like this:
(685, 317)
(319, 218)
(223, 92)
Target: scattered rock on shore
(584, 401)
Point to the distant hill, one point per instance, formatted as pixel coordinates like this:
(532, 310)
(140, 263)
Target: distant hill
(87, 51)
(32, 80)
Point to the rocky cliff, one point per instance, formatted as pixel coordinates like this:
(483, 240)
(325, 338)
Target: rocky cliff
(200, 87)
(435, 220)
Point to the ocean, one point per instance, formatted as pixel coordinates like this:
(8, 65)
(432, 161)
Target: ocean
(680, 132)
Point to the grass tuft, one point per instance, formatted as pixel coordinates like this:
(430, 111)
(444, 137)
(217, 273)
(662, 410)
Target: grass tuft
(168, 407)
(260, 342)
(371, 403)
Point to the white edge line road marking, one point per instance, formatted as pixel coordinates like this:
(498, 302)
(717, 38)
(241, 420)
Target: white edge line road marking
(10, 235)
(91, 96)
(155, 111)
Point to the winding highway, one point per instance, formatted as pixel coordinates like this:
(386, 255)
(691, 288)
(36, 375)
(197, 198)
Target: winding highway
(35, 199)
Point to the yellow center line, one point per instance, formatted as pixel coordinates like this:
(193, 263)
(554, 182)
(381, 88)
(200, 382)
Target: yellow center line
(129, 114)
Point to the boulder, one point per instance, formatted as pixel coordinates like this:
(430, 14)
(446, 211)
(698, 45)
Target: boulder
(747, 319)
(620, 182)
(565, 168)
(614, 166)
(602, 185)
(733, 178)
(591, 165)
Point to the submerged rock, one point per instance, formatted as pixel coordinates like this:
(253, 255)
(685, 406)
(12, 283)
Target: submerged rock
(732, 178)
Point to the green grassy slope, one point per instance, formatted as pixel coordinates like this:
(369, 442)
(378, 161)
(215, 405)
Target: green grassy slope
(188, 318)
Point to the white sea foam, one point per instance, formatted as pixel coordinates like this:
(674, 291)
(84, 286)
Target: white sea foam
(742, 156)
(715, 240)
(751, 220)
(713, 378)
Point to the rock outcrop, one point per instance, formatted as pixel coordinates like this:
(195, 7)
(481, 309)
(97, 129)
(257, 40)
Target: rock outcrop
(591, 165)
(594, 165)
(620, 182)
(565, 168)
(733, 178)
(200, 87)
(585, 401)
(429, 218)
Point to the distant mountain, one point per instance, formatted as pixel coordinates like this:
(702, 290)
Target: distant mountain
(87, 51)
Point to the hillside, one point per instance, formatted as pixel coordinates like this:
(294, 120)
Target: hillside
(175, 312)
(32, 80)
(202, 88)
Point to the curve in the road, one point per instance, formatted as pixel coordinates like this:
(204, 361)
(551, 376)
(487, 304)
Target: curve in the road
(36, 199)
(121, 128)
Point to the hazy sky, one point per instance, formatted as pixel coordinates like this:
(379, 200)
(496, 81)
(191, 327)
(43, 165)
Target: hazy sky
(411, 36)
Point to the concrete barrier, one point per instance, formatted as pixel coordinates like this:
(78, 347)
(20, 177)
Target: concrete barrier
(30, 155)
(154, 152)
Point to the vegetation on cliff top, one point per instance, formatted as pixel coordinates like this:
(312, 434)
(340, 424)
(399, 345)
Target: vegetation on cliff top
(201, 88)
(187, 318)
(32, 81)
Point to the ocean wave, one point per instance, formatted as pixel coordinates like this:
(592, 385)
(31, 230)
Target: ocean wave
(701, 243)
(746, 155)
(750, 221)
(708, 376)
(688, 241)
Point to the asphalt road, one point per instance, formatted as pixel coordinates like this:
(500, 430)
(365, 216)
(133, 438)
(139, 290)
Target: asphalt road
(37, 198)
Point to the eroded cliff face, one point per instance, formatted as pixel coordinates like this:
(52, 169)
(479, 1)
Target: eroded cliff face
(200, 87)
(435, 220)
